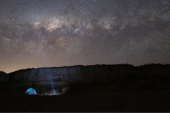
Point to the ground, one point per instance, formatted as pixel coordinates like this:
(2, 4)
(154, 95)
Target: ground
(94, 100)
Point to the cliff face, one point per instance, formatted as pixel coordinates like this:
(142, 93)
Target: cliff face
(43, 79)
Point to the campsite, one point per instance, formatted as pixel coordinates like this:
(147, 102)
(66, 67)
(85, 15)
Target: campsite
(90, 101)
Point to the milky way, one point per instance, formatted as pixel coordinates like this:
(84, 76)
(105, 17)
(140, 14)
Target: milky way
(54, 33)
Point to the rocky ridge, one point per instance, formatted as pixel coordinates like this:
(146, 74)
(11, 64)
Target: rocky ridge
(42, 79)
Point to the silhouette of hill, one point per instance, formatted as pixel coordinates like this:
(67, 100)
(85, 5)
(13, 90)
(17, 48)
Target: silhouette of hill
(121, 76)
(121, 87)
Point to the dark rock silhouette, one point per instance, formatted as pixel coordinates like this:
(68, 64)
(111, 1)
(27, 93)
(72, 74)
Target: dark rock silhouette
(3, 77)
(3, 80)
(146, 77)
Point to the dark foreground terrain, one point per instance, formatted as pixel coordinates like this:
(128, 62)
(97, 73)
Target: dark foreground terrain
(94, 100)
(98, 88)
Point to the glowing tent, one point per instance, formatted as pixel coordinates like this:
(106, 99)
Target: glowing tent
(30, 91)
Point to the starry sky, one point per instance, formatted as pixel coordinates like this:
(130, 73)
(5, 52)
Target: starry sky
(54, 33)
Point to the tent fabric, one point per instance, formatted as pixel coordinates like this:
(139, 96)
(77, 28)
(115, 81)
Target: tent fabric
(31, 91)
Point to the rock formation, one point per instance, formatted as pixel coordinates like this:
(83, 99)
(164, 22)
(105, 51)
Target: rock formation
(3, 77)
(3, 81)
(42, 79)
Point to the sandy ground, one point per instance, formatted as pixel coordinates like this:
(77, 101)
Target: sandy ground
(92, 100)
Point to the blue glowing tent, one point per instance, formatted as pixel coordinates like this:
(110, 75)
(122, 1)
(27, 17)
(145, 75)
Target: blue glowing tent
(31, 91)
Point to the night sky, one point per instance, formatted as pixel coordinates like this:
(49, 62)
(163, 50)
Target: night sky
(54, 33)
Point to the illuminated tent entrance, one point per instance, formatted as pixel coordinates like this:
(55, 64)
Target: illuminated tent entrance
(30, 91)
